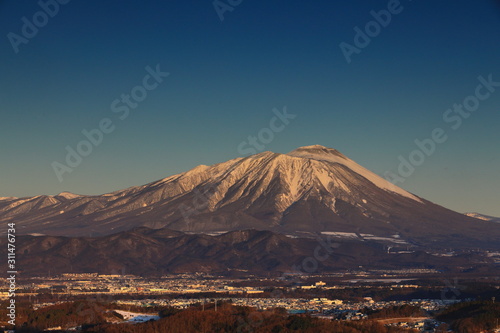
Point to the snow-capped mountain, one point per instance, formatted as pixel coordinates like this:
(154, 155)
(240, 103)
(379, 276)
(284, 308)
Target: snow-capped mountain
(311, 189)
(484, 217)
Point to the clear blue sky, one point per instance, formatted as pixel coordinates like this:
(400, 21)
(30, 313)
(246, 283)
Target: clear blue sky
(227, 76)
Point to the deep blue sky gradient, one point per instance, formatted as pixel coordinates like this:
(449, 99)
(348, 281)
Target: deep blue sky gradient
(225, 79)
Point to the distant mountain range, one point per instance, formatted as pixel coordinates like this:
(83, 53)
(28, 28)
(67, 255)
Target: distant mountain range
(484, 217)
(309, 190)
(155, 252)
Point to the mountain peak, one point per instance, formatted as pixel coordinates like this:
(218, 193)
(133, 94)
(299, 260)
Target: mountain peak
(333, 156)
(316, 152)
(483, 217)
(315, 148)
(68, 195)
(311, 189)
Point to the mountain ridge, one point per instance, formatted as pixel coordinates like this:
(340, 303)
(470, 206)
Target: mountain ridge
(308, 190)
(483, 217)
(156, 252)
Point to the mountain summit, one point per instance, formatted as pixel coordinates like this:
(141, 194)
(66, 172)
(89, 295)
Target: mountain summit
(311, 189)
(321, 153)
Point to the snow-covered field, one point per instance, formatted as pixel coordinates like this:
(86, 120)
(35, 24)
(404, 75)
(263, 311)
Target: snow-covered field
(341, 234)
(349, 235)
(135, 317)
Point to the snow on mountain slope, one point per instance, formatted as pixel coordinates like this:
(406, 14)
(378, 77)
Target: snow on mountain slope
(311, 189)
(321, 153)
(68, 195)
(484, 217)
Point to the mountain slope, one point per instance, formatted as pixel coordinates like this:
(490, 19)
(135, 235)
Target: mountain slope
(311, 189)
(148, 252)
(484, 217)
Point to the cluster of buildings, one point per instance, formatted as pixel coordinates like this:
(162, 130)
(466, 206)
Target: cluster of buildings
(217, 289)
(93, 283)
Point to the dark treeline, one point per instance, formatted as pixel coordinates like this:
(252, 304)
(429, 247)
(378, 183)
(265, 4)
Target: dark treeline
(229, 318)
(472, 317)
(66, 315)
(397, 312)
(95, 317)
